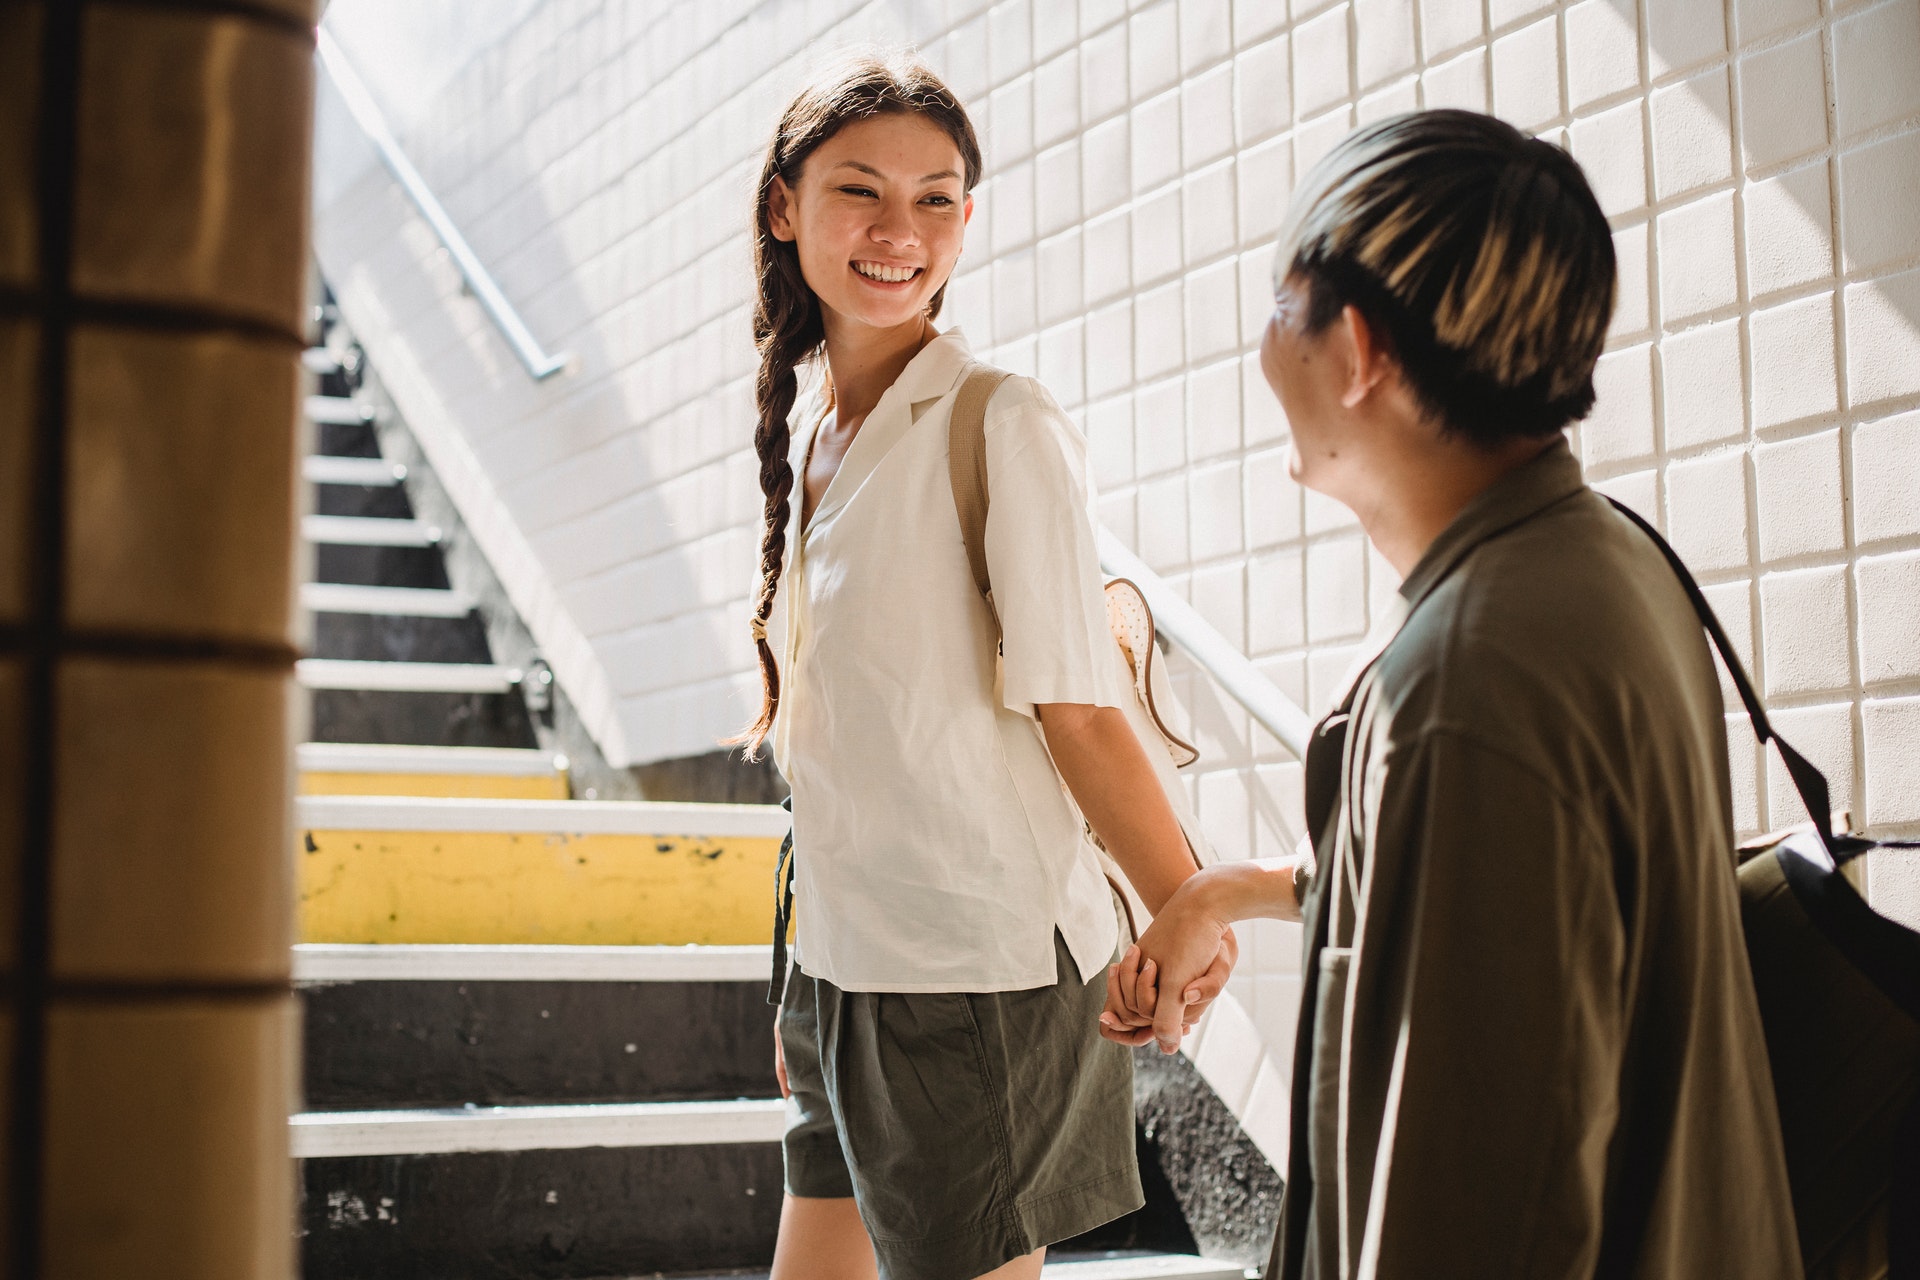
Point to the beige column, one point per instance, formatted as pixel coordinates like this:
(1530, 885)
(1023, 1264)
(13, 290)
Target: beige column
(153, 242)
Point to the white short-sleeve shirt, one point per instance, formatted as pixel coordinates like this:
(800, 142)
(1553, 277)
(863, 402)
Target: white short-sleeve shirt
(936, 848)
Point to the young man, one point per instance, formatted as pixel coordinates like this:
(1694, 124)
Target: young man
(1528, 1040)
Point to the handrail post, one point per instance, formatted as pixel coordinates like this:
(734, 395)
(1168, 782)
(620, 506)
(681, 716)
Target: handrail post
(367, 115)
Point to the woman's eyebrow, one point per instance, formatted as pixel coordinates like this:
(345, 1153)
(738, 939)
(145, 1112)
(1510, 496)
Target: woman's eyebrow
(867, 168)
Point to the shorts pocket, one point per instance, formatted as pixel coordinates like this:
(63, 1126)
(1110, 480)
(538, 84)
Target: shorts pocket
(925, 1129)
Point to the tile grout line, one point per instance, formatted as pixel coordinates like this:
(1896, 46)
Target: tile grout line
(58, 178)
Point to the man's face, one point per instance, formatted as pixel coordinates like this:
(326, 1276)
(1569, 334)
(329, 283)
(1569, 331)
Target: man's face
(1306, 375)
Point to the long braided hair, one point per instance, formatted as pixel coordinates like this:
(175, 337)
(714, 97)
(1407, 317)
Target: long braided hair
(787, 327)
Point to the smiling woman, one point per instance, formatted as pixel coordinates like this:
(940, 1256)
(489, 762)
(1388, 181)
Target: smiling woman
(954, 1109)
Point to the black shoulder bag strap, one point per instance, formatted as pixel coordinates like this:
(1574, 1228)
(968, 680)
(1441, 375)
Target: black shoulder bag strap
(782, 910)
(1882, 950)
(1807, 780)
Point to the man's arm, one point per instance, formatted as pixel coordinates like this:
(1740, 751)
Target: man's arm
(1483, 1020)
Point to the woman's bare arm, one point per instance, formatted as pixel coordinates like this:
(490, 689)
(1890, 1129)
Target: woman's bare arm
(1119, 794)
(1112, 781)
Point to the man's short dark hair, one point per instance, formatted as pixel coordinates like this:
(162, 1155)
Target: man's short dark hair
(1480, 255)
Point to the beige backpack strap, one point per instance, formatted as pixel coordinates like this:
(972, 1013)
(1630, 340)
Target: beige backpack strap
(967, 467)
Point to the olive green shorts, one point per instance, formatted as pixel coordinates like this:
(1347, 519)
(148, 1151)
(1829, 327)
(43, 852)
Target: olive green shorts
(970, 1129)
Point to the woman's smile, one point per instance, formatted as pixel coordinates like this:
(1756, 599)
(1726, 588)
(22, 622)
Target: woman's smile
(885, 276)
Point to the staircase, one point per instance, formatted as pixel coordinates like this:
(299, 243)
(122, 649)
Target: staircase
(537, 1043)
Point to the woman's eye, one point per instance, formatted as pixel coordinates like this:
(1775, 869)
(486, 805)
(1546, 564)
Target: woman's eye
(940, 200)
(857, 191)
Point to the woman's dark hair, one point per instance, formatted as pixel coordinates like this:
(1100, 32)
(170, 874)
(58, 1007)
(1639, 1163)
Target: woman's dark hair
(786, 316)
(1479, 253)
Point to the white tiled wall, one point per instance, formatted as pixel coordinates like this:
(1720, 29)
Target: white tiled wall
(1760, 160)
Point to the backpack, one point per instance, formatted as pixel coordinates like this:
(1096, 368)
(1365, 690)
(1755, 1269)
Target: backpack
(1129, 617)
(1838, 986)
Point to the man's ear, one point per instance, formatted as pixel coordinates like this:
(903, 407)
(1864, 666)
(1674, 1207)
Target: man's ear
(1368, 364)
(780, 209)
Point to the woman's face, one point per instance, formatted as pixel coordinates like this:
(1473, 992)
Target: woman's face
(878, 216)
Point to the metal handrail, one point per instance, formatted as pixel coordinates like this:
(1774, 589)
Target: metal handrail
(367, 115)
(1181, 623)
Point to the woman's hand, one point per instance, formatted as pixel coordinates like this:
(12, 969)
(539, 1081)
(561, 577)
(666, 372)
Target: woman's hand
(1164, 983)
(780, 1062)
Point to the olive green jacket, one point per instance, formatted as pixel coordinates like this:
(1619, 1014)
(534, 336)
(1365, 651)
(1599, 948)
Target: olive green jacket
(1530, 1047)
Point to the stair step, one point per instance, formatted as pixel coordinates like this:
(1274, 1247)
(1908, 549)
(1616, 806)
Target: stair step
(564, 1215)
(1172, 1266)
(321, 468)
(338, 410)
(368, 769)
(406, 677)
(410, 869)
(319, 360)
(386, 500)
(519, 1026)
(412, 602)
(360, 962)
(364, 531)
(439, 1131)
(362, 757)
(543, 817)
(1154, 1267)
(375, 637)
(401, 718)
(417, 568)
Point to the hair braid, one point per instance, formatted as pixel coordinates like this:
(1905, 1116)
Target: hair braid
(782, 347)
(787, 327)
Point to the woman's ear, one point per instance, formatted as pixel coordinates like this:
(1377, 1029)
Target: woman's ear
(780, 209)
(1367, 361)
(966, 211)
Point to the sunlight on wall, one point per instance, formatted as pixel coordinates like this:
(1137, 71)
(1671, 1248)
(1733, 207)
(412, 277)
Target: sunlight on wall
(1760, 393)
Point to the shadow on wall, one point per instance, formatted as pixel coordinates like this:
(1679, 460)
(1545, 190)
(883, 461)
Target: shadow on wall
(1818, 189)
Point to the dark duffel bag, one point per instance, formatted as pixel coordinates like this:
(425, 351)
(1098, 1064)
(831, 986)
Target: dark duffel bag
(1839, 991)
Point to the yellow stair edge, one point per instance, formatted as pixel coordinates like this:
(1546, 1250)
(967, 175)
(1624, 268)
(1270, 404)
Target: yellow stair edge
(421, 870)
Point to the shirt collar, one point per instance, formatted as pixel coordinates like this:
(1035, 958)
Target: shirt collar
(934, 371)
(928, 377)
(1551, 477)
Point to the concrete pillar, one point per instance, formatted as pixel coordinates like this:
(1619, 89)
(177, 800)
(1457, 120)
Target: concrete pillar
(153, 241)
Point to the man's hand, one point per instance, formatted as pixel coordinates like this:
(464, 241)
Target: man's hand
(1164, 983)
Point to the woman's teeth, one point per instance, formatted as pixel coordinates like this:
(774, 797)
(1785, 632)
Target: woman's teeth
(889, 275)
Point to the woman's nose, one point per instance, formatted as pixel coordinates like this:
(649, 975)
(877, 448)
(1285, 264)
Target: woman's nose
(894, 226)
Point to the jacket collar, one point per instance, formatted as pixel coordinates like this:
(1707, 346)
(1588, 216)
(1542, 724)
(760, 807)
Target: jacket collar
(928, 377)
(1551, 477)
(1523, 493)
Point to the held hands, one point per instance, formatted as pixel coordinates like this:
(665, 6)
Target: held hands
(1164, 983)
